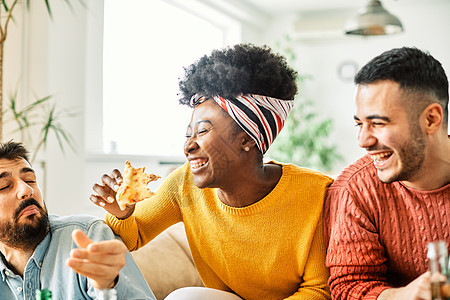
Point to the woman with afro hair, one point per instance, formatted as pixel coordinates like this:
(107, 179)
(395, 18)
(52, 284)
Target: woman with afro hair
(254, 228)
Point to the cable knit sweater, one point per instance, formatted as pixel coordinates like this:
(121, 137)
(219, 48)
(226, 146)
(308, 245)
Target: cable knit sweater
(378, 233)
(272, 249)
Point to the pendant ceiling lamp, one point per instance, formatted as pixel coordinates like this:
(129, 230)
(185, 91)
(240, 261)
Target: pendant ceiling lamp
(374, 19)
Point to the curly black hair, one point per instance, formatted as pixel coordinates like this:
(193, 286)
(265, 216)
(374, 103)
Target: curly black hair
(241, 69)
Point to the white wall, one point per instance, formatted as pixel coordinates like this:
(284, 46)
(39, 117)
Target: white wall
(63, 57)
(51, 56)
(427, 26)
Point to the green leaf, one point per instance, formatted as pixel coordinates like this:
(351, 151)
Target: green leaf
(31, 107)
(48, 9)
(5, 5)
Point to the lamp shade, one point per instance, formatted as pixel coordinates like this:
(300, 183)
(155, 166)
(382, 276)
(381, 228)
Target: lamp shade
(374, 19)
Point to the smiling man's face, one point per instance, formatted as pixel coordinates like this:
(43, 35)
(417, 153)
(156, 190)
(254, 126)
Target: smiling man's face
(23, 217)
(396, 145)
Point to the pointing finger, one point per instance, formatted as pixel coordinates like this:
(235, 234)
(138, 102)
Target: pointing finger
(80, 239)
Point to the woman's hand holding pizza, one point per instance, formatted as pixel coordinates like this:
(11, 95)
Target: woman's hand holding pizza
(106, 195)
(118, 195)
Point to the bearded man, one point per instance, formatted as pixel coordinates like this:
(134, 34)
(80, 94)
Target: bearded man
(383, 210)
(38, 250)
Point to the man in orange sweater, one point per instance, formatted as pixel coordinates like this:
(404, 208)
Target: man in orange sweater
(383, 210)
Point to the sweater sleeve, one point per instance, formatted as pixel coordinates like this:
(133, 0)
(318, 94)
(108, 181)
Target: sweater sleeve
(355, 256)
(152, 215)
(314, 285)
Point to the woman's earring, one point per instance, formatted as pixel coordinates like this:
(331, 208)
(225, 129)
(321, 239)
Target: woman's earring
(246, 149)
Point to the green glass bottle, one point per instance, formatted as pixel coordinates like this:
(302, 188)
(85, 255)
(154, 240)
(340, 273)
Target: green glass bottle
(438, 260)
(44, 294)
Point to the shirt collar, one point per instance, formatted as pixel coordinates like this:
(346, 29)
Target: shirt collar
(3, 267)
(40, 251)
(37, 257)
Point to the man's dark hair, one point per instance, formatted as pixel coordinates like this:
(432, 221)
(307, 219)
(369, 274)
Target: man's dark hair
(242, 69)
(12, 150)
(415, 71)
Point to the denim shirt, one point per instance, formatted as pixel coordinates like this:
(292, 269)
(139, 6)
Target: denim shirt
(46, 268)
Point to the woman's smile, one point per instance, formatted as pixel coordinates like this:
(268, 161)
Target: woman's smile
(197, 164)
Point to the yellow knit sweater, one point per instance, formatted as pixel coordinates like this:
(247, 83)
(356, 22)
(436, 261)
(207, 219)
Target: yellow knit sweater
(272, 249)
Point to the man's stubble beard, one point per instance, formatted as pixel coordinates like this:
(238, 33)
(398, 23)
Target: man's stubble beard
(411, 155)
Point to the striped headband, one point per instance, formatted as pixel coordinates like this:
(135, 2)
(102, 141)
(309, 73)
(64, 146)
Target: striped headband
(261, 117)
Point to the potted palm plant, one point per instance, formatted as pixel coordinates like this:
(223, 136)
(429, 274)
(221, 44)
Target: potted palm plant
(42, 114)
(305, 138)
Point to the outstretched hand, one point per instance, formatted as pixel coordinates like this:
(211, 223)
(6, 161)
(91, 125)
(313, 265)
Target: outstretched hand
(101, 261)
(106, 195)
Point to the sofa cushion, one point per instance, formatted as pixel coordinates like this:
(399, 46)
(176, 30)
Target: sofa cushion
(166, 262)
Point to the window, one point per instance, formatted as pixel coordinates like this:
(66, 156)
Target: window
(144, 53)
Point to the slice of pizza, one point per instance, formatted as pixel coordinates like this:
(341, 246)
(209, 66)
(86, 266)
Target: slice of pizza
(134, 185)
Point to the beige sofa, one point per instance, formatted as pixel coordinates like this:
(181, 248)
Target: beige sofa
(166, 262)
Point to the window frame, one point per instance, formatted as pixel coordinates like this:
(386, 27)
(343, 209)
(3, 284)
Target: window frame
(94, 66)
